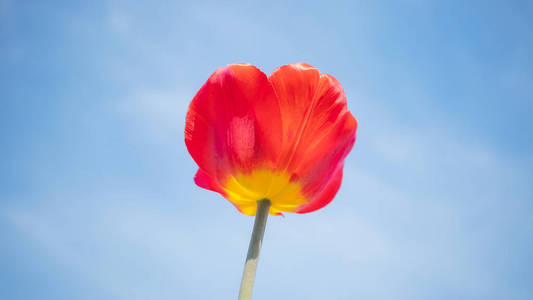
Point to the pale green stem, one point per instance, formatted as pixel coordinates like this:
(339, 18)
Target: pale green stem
(248, 276)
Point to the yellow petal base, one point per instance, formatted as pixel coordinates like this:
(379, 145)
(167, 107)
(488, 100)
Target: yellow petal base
(244, 190)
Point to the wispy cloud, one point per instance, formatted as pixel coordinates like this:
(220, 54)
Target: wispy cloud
(432, 205)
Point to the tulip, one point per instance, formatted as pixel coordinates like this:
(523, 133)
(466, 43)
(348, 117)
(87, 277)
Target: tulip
(271, 144)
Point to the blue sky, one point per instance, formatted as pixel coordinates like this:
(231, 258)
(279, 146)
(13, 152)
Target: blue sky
(96, 195)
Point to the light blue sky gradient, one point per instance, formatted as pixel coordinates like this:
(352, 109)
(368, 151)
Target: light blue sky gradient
(97, 199)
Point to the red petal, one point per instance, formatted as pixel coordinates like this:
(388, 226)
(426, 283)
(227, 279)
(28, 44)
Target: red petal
(233, 123)
(318, 129)
(203, 180)
(325, 196)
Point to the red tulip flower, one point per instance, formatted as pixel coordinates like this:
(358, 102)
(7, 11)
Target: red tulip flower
(281, 138)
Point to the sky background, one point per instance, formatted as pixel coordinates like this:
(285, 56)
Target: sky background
(96, 193)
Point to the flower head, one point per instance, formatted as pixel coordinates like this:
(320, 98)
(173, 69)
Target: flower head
(283, 137)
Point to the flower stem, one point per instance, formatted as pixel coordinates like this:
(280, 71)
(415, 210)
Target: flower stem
(248, 276)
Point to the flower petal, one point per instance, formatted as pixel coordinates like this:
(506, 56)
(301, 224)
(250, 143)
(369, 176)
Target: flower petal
(318, 129)
(203, 180)
(325, 196)
(233, 125)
